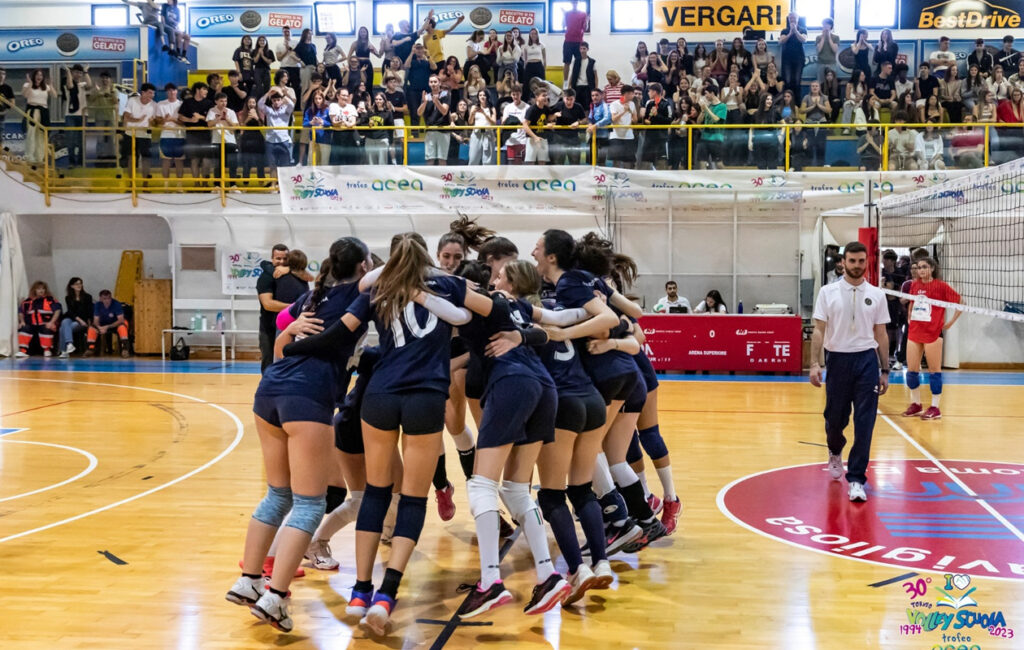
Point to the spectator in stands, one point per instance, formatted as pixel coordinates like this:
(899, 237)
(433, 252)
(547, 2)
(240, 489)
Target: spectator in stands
(343, 116)
(786, 107)
(834, 93)
(869, 148)
(565, 142)
(7, 93)
(538, 85)
(950, 94)
(538, 123)
(177, 39)
(1007, 58)
(508, 55)
(856, 91)
(972, 86)
(419, 68)
(38, 316)
(220, 119)
(489, 50)
(639, 58)
(887, 51)
(712, 304)
(396, 100)
(903, 84)
(535, 56)
(458, 116)
(379, 115)
(882, 87)
(37, 93)
(932, 147)
(149, 15)
(967, 146)
(763, 142)
(306, 51)
(172, 137)
(262, 58)
(1010, 111)
(237, 91)
(451, 78)
(108, 315)
(791, 40)
(621, 141)
(904, 154)
(658, 112)
(573, 57)
(712, 141)
(515, 113)
(266, 286)
(481, 140)
(138, 117)
(433, 38)
(252, 144)
(732, 96)
(475, 58)
(740, 57)
(827, 46)
(77, 84)
(981, 58)
(932, 109)
(760, 59)
(942, 59)
(598, 117)
(192, 113)
(862, 52)
(362, 48)
(474, 83)
(277, 112)
(216, 83)
(986, 110)
(434, 108)
(679, 139)
(290, 63)
(352, 75)
(700, 59)
(718, 63)
(799, 145)
(404, 40)
(998, 84)
(672, 302)
(815, 109)
(245, 63)
(75, 318)
(1017, 78)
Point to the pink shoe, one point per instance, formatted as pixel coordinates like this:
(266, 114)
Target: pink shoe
(445, 503)
(932, 413)
(670, 515)
(912, 411)
(655, 503)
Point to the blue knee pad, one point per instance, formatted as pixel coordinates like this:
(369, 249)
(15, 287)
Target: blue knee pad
(307, 512)
(373, 509)
(411, 513)
(935, 382)
(550, 501)
(633, 454)
(613, 507)
(913, 380)
(580, 495)
(653, 443)
(274, 507)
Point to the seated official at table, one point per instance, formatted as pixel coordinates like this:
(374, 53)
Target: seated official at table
(672, 302)
(712, 304)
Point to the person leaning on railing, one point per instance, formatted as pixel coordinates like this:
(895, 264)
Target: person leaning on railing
(37, 93)
(597, 118)
(763, 143)
(903, 146)
(277, 111)
(252, 143)
(932, 147)
(869, 147)
(192, 114)
(221, 119)
(569, 112)
(481, 140)
(139, 114)
(380, 115)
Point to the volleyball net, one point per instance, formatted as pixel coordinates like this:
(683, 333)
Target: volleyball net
(974, 227)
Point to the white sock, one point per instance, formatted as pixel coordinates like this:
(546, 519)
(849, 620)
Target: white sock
(603, 483)
(668, 486)
(935, 400)
(643, 483)
(483, 503)
(915, 395)
(524, 509)
(340, 517)
(623, 474)
(464, 440)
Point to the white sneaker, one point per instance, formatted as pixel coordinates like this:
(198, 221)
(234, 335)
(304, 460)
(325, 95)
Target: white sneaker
(21, 355)
(835, 466)
(897, 366)
(580, 581)
(857, 492)
(69, 348)
(47, 353)
(603, 575)
(319, 553)
(273, 609)
(246, 591)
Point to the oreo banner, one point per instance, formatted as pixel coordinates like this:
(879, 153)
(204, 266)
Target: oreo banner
(86, 44)
(960, 14)
(500, 16)
(237, 21)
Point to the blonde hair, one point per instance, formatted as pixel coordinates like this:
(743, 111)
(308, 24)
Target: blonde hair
(525, 280)
(612, 77)
(404, 275)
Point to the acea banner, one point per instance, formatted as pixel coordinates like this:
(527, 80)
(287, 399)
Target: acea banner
(66, 45)
(499, 16)
(237, 21)
(719, 15)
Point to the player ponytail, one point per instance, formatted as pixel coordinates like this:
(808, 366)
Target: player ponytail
(347, 261)
(404, 275)
(594, 255)
(477, 272)
(624, 271)
(465, 232)
(496, 248)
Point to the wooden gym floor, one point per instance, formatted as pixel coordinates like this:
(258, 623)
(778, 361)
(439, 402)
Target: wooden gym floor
(124, 500)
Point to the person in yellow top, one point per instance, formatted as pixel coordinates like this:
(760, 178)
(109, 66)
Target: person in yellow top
(433, 38)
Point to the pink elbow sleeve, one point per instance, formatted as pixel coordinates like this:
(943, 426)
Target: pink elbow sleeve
(284, 319)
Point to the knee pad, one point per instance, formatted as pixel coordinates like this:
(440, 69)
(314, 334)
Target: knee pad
(483, 495)
(516, 497)
(613, 506)
(913, 380)
(373, 509)
(623, 474)
(653, 443)
(550, 501)
(335, 497)
(411, 513)
(935, 383)
(633, 454)
(307, 512)
(274, 507)
(580, 495)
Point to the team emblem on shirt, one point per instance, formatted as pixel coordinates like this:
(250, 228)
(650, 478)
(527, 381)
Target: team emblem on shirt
(867, 301)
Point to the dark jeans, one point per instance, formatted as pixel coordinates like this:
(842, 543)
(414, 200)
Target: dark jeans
(252, 160)
(279, 154)
(74, 140)
(851, 382)
(791, 72)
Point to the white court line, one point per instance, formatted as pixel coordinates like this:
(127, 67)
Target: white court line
(87, 470)
(239, 431)
(963, 486)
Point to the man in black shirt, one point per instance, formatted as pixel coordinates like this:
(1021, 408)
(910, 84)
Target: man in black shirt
(417, 79)
(565, 142)
(926, 84)
(657, 111)
(404, 40)
(537, 126)
(396, 98)
(882, 86)
(237, 91)
(434, 107)
(1007, 57)
(266, 286)
(193, 113)
(6, 92)
(981, 57)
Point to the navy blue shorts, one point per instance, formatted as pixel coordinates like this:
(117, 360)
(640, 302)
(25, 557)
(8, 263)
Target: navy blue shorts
(569, 51)
(520, 410)
(348, 431)
(579, 413)
(459, 347)
(636, 400)
(172, 148)
(476, 381)
(647, 370)
(281, 409)
(617, 388)
(415, 412)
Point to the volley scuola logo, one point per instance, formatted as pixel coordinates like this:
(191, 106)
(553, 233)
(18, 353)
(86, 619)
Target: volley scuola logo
(946, 610)
(313, 186)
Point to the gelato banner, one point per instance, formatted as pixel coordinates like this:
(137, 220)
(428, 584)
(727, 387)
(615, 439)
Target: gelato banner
(87, 44)
(499, 16)
(261, 20)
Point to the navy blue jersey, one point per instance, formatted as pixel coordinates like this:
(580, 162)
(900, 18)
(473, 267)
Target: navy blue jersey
(559, 357)
(575, 289)
(415, 349)
(518, 361)
(319, 378)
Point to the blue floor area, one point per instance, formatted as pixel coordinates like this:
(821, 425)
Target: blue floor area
(953, 378)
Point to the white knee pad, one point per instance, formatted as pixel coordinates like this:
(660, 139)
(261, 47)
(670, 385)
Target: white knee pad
(623, 474)
(516, 497)
(603, 483)
(483, 495)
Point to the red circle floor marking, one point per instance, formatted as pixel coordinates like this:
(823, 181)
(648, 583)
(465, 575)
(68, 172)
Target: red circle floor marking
(916, 517)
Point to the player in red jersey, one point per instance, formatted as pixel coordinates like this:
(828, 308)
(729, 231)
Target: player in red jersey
(927, 322)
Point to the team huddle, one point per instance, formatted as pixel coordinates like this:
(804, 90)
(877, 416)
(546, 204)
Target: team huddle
(548, 359)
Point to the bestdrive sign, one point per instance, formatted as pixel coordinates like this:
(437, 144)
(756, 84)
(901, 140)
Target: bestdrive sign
(960, 14)
(718, 15)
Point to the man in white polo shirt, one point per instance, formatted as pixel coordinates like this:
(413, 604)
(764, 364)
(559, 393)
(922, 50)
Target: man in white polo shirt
(850, 317)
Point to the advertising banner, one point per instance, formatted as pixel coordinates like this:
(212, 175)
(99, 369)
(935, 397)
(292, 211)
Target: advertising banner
(237, 21)
(500, 16)
(239, 272)
(87, 44)
(719, 15)
(715, 342)
(12, 135)
(960, 14)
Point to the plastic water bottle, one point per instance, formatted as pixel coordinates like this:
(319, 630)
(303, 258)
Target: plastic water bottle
(739, 307)
(205, 325)
(220, 321)
(197, 321)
